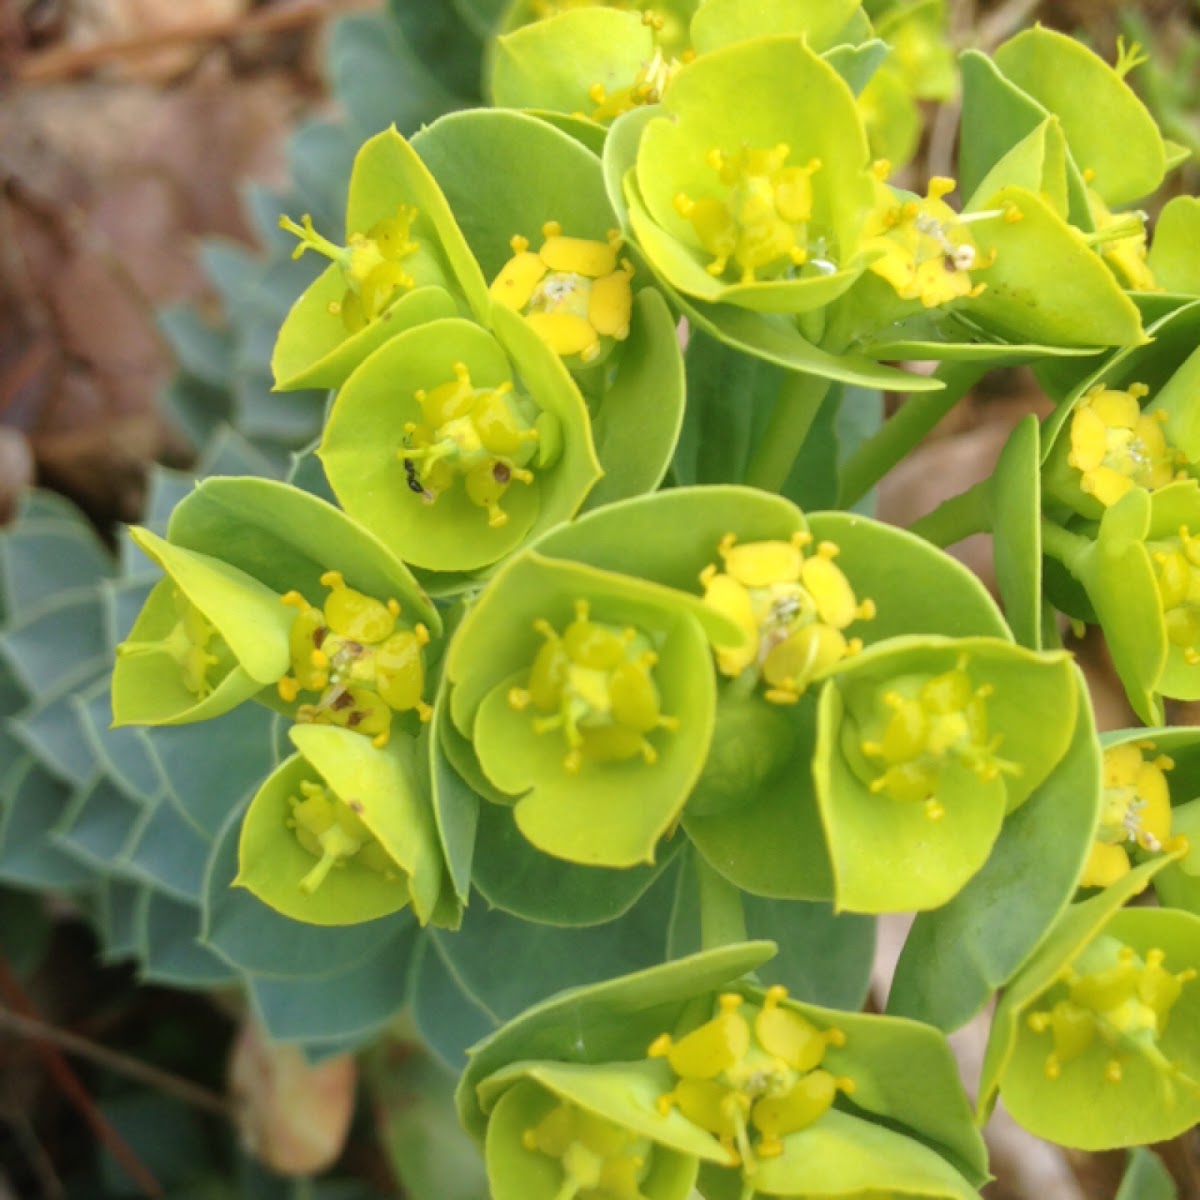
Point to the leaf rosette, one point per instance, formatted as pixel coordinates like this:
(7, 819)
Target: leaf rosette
(1094, 1045)
(923, 746)
(404, 263)
(455, 446)
(342, 832)
(588, 698)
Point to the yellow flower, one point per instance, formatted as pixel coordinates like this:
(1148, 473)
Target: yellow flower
(596, 685)
(751, 1066)
(1136, 811)
(792, 607)
(761, 221)
(1114, 1000)
(573, 291)
(1121, 240)
(370, 263)
(923, 247)
(1116, 446)
(351, 652)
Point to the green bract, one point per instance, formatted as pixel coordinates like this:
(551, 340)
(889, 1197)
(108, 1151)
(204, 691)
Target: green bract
(405, 263)
(923, 747)
(738, 121)
(576, 686)
(668, 1061)
(1136, 573)
(1095, 1043)
(552, 253)
(341, 832)
(455, 447)
(209, 637)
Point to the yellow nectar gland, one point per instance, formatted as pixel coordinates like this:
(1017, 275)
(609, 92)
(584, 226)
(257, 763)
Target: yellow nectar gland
(1177, 567)
(598, 1157)
(1121, 240)
(483, 436)
(1116, 446)
(575, 292)
(351, 652)
(792, 604)
(596, 682)
(331, 829)
(751, 1066)
(927, 722)
(1112, 1000)
(370, 263)
(1135, 812)
(924, 248)
(760, 224)
(192, 642)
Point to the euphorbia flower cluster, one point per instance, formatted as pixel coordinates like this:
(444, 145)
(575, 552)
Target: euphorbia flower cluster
(563, 631)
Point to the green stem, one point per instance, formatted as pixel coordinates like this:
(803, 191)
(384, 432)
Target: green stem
(957, 518)
(904, 430)
(722, 921)
(800, 399)
(1064, 545)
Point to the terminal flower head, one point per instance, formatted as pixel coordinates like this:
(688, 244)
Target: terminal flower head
(792, 602)
(758, 221)
(752, 1072)
(1135, 814)
(924, 248)
(371, 263)
(342, 831)
(1115, 445)
(575, 292)
(351, 652)
(594, 686)
(481, 436)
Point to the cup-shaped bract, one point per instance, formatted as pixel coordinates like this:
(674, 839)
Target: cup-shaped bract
(589, 698)
(1096, 1043)
(360, 633)
(750, 187)
(1142, 578)
(1132, 423)
(342, 832)
(746, 1081)
(455, 446)
(404, 262)
(208, 637)
(923, 746)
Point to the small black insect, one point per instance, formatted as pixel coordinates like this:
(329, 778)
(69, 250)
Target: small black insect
(414, 480)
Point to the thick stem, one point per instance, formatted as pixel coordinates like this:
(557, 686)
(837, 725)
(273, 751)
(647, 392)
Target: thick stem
(904, 430)
(956, 518)
(800, 399)
(1063, 545)
(722, 921)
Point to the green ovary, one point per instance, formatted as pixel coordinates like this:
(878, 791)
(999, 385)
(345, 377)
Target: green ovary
(599, 1159)
(370, 263)
(751, 1067)
(1176, 564)
(330, 830)
(926, 723)
(596, 684)
(761, 222)
(194, 643)
(353, 654)
(483, 436)
(1116, 1003)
